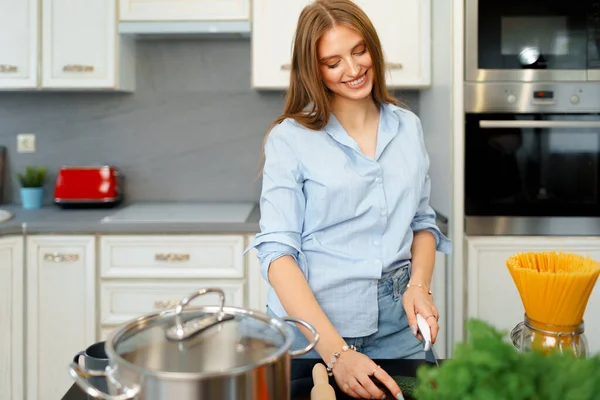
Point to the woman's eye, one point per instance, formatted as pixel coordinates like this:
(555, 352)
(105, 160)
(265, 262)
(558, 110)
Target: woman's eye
(333, 65)
(360, 53)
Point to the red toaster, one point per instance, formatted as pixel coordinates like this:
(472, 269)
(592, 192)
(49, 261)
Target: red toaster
(88, 186)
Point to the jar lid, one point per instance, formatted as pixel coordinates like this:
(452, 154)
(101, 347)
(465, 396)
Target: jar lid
(208, 340)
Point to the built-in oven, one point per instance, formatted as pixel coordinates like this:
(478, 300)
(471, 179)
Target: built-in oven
(532, 40)
(532, 159)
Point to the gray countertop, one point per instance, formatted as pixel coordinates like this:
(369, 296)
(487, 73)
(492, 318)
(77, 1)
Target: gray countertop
(54, 220)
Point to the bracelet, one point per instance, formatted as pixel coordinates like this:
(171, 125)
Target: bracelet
(419, 286)
(335, 356)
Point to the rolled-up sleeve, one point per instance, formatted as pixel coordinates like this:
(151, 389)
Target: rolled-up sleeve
(425, 216)
(282, 202)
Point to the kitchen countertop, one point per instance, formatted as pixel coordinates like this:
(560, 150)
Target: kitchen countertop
(54, 220)
(301, 377)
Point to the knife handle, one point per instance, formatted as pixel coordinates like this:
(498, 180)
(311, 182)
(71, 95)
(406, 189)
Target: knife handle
(425, 331)
(321, 390)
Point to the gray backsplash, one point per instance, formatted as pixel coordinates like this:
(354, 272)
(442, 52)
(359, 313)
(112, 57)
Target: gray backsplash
(192, 130)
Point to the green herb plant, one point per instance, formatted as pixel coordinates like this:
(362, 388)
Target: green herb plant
(488, 367)
(33, 177)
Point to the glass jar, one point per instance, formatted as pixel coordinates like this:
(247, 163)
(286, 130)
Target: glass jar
(532, 335)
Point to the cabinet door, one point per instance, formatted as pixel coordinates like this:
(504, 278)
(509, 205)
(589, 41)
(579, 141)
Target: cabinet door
(190, 10)
(404, 29)
(403, 26)
(258, 288)
(79, 43)
(492, 294)
(11, 318)
(273, 26)
(61, 315)
(18, 48)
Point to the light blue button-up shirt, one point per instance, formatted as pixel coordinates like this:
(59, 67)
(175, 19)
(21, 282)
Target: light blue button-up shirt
(344, 217)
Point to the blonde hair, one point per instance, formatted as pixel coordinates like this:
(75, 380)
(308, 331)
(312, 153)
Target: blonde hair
(306, 86)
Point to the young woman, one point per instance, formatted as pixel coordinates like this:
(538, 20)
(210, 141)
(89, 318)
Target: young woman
(348, 238)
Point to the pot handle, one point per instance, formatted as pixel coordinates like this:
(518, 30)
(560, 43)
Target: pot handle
(186, 330)
(79, 375)
(311, 345)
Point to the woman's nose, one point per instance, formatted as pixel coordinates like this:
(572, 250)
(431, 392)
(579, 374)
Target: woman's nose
(353, 68)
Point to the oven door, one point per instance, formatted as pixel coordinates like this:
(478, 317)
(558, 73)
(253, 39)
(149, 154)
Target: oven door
(532, 167)
(530, 40)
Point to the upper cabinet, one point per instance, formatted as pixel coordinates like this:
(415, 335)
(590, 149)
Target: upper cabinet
(18, 48)
(404, 28)
(189, 10)
(79, 46)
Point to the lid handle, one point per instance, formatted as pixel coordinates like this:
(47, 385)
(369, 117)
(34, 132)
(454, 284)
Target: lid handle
(186, 330)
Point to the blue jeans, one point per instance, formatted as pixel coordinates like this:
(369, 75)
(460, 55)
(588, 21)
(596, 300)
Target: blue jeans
(393, 338)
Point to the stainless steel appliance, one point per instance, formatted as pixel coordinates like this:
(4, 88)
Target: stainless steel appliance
(532, 40)
(532, 158)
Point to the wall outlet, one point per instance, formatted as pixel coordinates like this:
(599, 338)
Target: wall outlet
(26, 143)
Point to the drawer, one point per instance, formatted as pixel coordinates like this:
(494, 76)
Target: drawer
(124, 301)
(173, 256)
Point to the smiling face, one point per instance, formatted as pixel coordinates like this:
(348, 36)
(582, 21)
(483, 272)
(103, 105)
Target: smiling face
(345, 63)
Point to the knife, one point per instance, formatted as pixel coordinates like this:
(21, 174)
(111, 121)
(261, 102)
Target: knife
(426, 333)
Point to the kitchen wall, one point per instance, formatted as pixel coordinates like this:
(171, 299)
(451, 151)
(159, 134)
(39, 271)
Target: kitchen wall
(192, 130)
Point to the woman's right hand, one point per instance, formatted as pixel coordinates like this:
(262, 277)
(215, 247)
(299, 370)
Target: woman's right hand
(353, 372)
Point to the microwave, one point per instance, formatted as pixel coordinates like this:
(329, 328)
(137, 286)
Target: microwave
(532, 40)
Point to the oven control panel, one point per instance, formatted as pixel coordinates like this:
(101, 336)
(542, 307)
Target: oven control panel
(532, 97)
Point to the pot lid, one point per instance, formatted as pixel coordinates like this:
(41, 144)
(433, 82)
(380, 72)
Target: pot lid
(208, 340)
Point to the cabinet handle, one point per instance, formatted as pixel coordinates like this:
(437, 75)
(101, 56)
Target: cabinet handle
(165, 304)
(394, 65)
(8, 68)
(172, 257)
(286, 67)
(60, 257)
(78, 68)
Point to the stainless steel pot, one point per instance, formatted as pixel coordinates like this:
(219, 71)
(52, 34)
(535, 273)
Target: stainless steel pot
(196, 353)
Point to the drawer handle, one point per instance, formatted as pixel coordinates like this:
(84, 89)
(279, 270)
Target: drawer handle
(78, 68)
(165, 304)
(172, 257)
(9, 68)
(60, 257)
(286, 67)
(394, 65)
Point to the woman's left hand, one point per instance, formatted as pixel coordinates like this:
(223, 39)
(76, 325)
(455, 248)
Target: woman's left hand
(416, 300)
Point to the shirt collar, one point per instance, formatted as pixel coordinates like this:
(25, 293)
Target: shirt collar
(389, 121)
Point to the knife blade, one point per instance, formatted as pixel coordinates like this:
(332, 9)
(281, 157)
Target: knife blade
(426, 334)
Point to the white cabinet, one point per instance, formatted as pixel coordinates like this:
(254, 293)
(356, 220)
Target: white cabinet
(80, 46)
(258, 288)
(18, 47)
(61, 310)
(404, 28)
(491, 293)
(11, 318)
(190, 10)
(64, 45)
(142, 274)
(174, 256)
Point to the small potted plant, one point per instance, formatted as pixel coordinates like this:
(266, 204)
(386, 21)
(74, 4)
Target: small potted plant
(32, 187)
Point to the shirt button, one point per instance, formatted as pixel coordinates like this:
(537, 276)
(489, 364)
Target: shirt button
(383, 213)
(378, 180)
(377, 261)
(376, 243)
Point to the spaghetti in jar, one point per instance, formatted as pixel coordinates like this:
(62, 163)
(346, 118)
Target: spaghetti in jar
(555, 288)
